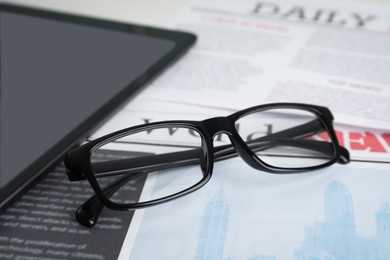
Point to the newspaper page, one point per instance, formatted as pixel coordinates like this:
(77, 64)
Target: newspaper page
(253, 52)
(41, 224)
(243, 213)
(341, 212)
(249, 53)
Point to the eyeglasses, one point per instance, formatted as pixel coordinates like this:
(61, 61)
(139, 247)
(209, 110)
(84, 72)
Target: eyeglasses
(276, 138)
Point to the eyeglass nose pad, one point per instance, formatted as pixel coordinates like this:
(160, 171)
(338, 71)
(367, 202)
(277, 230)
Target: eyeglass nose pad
(246, 155)
(204, 160)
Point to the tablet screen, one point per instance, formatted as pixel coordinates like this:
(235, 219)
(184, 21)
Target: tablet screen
(60, 75)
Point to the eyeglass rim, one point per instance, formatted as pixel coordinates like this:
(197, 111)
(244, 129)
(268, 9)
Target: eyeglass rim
(323, 114)
(84, 151)
(133, 206)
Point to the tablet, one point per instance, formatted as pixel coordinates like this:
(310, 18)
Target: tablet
(61, 75)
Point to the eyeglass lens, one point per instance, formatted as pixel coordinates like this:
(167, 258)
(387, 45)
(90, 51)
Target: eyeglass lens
(147, 151)
(279, 146)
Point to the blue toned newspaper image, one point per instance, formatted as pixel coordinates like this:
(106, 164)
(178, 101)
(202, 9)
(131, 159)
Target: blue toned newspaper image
(337, 212)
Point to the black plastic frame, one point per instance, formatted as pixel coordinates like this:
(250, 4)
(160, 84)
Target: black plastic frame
(47, 161)
(78, 164)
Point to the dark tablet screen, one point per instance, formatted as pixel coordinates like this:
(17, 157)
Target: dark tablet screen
(60, 76)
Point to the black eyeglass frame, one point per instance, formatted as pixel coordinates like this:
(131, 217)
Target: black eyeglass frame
(78, 164)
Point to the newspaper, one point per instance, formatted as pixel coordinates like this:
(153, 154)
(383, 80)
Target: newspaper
(258, 208)
(254, 52)
(41, 224)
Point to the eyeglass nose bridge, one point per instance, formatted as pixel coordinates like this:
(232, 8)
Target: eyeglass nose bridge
(218, 125)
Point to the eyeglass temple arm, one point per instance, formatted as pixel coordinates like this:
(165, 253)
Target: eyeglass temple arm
(292, 137)
(176, 159)
(88, 213)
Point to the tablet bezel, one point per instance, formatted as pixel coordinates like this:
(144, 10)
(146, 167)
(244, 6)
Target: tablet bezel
(47, 161)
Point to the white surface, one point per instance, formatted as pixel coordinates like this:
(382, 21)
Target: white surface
(149, 12)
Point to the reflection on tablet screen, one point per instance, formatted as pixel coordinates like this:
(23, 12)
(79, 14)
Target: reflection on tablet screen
(56, 78)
